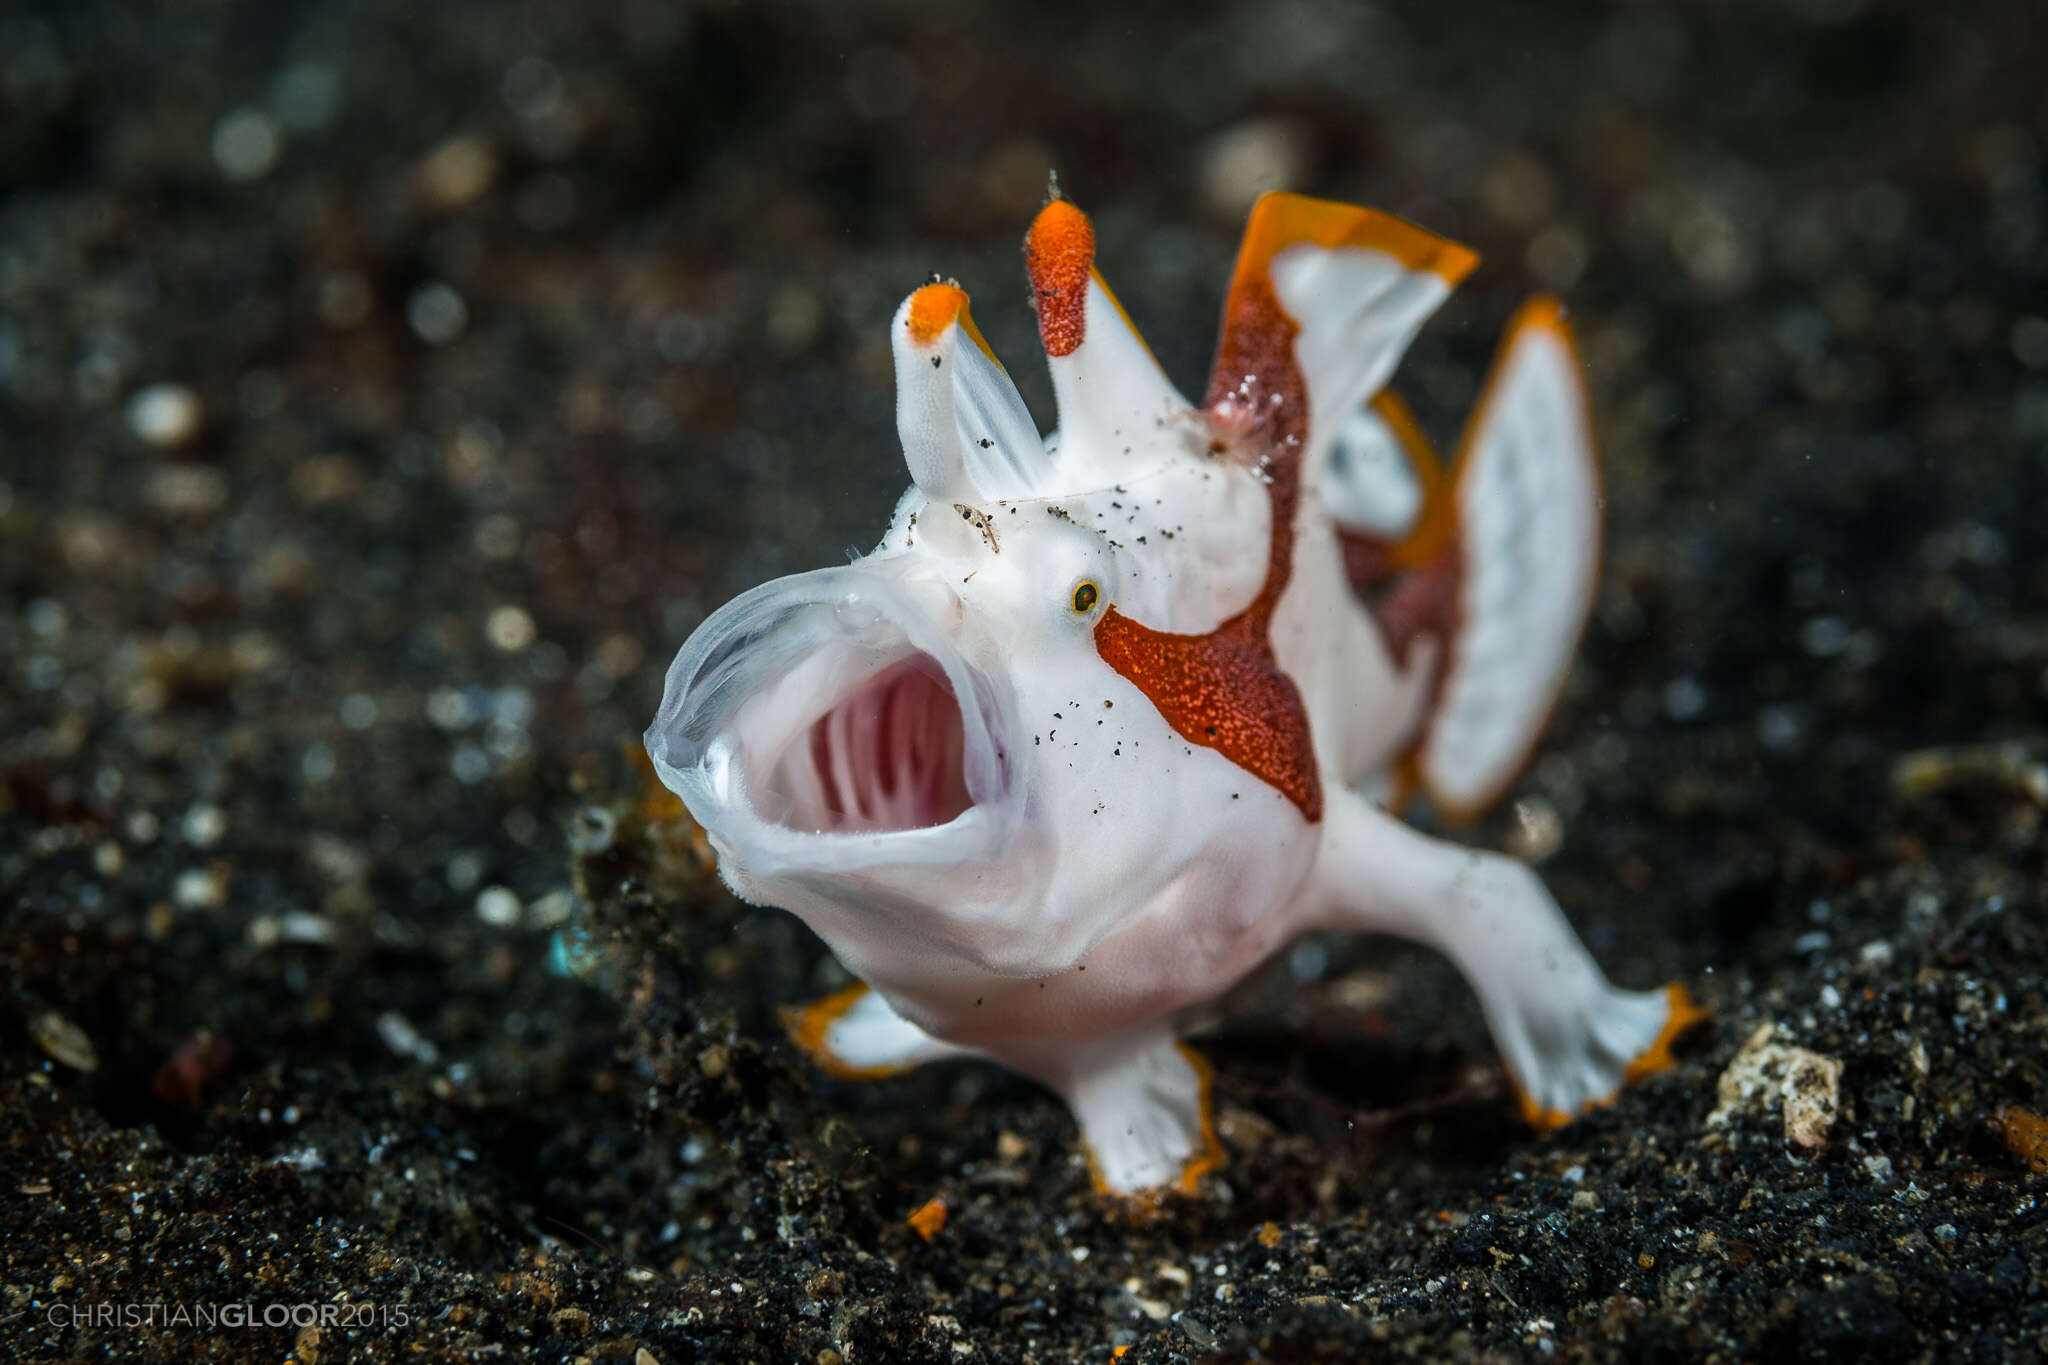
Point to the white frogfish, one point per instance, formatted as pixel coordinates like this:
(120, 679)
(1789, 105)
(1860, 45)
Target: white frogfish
(1113, 714)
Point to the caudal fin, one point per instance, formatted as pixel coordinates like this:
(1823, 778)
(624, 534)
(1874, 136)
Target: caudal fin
(1526, 493)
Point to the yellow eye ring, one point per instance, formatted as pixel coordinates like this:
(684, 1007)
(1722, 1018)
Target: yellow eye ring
(1086, 595)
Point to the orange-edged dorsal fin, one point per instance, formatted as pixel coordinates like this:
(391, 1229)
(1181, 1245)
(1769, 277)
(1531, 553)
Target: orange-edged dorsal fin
(1324, 300)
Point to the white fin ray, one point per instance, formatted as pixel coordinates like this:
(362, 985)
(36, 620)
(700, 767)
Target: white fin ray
(1528, 517)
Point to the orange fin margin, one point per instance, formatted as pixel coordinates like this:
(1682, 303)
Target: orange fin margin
(1138, 1205)
(1686, 1014)
(809, 1025)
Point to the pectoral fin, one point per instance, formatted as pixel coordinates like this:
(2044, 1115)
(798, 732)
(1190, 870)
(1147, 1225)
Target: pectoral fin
(854, 1034)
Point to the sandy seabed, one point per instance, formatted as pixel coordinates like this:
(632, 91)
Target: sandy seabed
(385, 391)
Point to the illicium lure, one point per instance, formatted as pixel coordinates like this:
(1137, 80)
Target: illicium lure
(1109, 715)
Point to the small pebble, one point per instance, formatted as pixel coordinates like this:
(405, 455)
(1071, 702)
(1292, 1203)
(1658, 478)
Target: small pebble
(165, 415)
(458, 172)
(437, 313)
(201, 888)
(302, 926)
(1538, 832)
(552, 909)
(1684, 699)
(510, 629)
(64, 1041)
(204, 825)
(245, 144)
(1804, 1086)
(499, 906)
(1247, 159)
(401, 1037)
(186, 489)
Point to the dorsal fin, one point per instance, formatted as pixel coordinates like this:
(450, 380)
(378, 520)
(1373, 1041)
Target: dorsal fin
(1324, 300)
(1112, 395)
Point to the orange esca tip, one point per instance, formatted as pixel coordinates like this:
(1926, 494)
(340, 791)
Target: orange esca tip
(1059, 253)
(933, 309)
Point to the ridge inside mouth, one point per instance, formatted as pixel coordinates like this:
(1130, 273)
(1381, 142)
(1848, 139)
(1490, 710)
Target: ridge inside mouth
(886, 756)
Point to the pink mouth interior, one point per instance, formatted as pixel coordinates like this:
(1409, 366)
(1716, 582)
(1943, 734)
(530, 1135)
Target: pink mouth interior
(886, 757)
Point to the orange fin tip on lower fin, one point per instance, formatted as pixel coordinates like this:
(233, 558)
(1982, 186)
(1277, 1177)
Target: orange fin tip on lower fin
(1685, 1014)
(1142, 1205)
(809, 1027)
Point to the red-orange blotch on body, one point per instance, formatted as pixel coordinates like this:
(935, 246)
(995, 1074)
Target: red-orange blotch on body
(1224, 691)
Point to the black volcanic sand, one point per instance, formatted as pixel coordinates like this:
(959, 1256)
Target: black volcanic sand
(511, 340)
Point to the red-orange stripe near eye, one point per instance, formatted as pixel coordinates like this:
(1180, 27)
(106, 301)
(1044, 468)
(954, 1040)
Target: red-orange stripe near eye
(1059, 253)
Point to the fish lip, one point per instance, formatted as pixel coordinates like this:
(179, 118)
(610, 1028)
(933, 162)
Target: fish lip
(746, 648)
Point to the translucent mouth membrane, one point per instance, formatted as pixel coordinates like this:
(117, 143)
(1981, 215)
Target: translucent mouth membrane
(887, 756)
(829, 720)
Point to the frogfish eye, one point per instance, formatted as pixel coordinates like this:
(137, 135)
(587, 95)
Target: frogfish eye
(1086, 595)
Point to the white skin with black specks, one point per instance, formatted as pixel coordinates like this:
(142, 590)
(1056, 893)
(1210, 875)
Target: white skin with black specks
(923, 756)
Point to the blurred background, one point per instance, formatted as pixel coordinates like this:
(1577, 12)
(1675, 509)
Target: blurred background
(386, 389)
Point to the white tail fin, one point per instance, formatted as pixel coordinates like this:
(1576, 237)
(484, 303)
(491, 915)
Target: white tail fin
(1527, 490)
